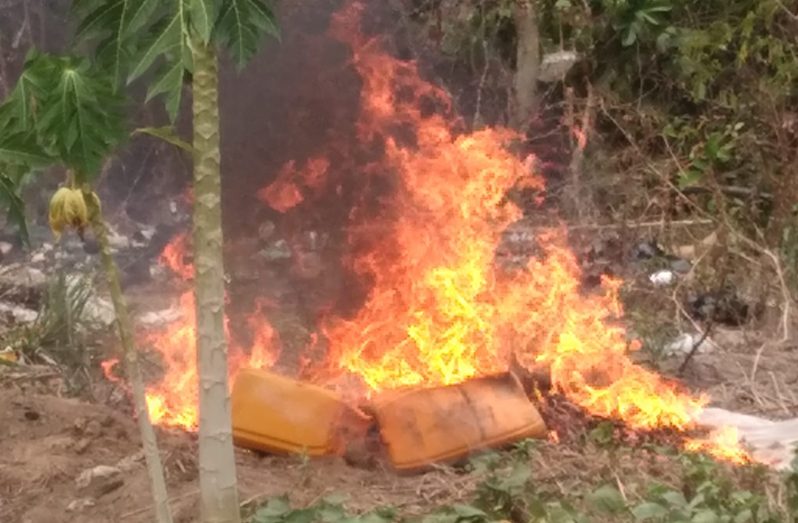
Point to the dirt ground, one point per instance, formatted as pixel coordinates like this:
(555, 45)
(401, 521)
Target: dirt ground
(48, 441)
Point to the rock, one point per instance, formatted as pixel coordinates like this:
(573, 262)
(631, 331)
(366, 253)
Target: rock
(143, 236)
(18, 313)
(683, 344)
(5, 248)
(647, 250)
(82, 445)
(278, 250)
(80, 504)
(556, 65)
(100, 480)
(662, 278)
(117, 241)
(38, 257)
(100, 310)
(131, 462)
(681, 266)
(22, 276)
(266, 231)
(160, 318)
(93, 428)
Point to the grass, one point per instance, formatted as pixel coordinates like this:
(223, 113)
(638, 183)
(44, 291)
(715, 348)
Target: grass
(58, 336)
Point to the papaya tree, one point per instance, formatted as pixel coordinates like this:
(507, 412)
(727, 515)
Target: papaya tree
(65, 111)
(175, 41)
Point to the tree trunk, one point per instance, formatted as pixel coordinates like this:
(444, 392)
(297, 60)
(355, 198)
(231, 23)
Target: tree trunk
(218, 490)
(527, 66)
(148, 440)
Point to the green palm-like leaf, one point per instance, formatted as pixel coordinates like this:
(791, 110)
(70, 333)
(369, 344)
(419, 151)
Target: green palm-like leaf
(241, 26)
(203, 17)
(167, 134)
(82, 117)
(168, 41)
(22, 148)
(115, 24)
(18, 111)
(12, 201)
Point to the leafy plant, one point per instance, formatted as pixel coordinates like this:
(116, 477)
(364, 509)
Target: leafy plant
(58, 334)
(116, 27)
(328, 510)
(62, 110)
(707, 497)
(637, 20)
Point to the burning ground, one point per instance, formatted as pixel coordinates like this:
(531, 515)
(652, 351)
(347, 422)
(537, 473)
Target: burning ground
(422, 292)
(425, 220)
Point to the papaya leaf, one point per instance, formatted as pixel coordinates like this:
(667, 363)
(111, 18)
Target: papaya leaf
(167, 134)
(241, 26)
(15, 206)
(114, 24)
(21, 148)
(169, 37)
(168, 40)
(203, 17)
(82, 117)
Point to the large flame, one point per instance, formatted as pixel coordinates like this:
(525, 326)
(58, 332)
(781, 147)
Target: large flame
(440, 310)
(173, 400)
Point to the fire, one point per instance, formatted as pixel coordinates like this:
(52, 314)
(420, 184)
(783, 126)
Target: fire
(285, 192)
(173, 400)
(723, 444)
(173, 257)
(440, 309)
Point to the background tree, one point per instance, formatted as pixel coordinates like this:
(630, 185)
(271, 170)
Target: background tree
(178, 39)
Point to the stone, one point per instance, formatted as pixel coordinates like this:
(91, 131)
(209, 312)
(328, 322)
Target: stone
(18, 313)
(78, 505)
(100, 480)
(681, 266)
(278, 250)
(662, 278)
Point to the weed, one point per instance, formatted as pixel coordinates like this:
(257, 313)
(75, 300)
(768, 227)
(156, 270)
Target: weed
(508, 493)
(328, 510)
(57, 336)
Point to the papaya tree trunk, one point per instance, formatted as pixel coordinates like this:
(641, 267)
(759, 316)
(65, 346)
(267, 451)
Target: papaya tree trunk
(132, 368)
(218, 488)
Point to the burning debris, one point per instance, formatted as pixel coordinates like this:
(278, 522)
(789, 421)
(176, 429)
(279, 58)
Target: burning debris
(440, 315)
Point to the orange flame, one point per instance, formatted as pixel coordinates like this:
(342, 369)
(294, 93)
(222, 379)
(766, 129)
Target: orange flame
(285, 192)
(440, 309)
(173, 401)
(173, 257)
(723, 444)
